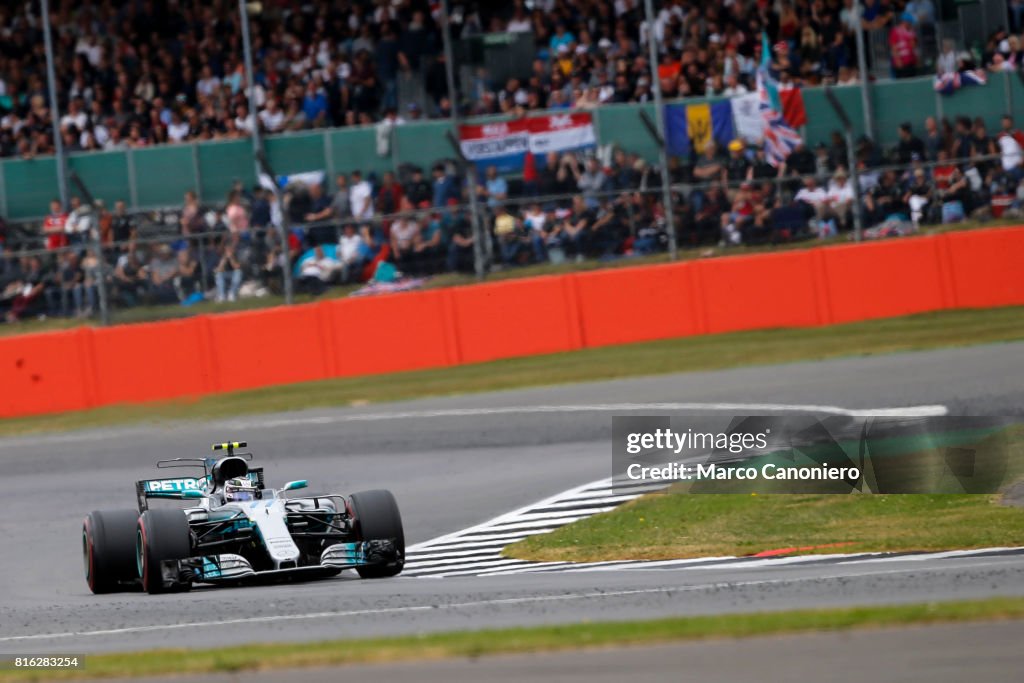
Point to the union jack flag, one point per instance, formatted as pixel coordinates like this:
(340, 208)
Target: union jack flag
(779, 137)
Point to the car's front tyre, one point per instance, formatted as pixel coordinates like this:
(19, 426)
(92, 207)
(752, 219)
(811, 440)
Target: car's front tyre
(108, 550)
(161, 535)
(377, 519)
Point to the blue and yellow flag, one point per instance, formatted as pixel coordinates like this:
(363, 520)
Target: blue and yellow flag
(698, 125)
(689, 128)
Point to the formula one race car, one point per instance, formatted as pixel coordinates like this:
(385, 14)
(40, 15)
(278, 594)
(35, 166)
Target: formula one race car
(235, 530)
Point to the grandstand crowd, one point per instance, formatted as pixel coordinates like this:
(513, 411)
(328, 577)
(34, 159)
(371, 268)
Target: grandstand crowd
(133, 74)
(148, 72)
(580, 205)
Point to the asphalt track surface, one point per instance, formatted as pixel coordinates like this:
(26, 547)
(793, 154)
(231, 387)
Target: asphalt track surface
(450, 470)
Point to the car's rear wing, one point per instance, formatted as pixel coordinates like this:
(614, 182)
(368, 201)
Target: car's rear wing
(177, 488)
(180, 488)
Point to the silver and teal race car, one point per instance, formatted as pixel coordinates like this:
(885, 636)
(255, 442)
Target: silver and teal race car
(228, 528)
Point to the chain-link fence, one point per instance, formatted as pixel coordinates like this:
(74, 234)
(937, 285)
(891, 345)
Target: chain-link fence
(101, 260)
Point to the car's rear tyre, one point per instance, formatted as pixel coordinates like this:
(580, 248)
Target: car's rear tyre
(108, 550)
(377, 519)
(161, 535)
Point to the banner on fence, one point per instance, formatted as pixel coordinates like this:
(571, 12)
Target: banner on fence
(506, 144)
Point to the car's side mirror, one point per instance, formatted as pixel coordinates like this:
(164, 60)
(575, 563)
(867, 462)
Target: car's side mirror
(297, 484)
(191, 494)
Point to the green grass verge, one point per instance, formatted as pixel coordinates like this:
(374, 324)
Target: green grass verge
(523, 640)
(676, 526)
(709, 352)
(154, 313)
(681, 524)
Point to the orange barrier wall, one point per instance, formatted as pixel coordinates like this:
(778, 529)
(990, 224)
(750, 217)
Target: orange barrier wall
(625, 305)
(513, 318)
(84, 368)
(752, 292)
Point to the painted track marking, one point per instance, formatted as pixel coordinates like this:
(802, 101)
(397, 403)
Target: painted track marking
(492, 602)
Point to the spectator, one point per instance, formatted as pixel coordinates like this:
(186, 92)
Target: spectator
(739, 218)
(822, 161)
(418, 190)
(510, 240)
(67, 297)
(314, 103)
(191, 220)
(494, 189)
(272, 118)
(228, 274)
(445, 187)
(840, 198)
(186, 279)
(162, 271)
(178, 129)
(92, 272)
(910, 147)
(883, 200)
(341, 205)
(816, 199)
(389, 195)
(352, 253)
(606, 232)
(760, 168)
(733, 87)
(554, 177)
(983, 146)
(104, 223)
(360, 197)
(709, 168)
(1011, 149)
(923, 12)
(800, 162)
(535, 220)
(244, 121)
(129, 277)
(53, 226)
(932, 139)
(947, 61)
(707, 220)
(236, 214)
(25, 290)
(428, 245)
(260, 212)
(591, 182)
(461, 244)
(903, 47)
(122, 225)
(650, 234)
(317, 271)
(80, 222)
(404, 234)
(320, 213)
(575, 229)
(918, 196)
(737, 167)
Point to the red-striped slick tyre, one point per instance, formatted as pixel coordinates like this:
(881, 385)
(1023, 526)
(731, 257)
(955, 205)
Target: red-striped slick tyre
(108, 550)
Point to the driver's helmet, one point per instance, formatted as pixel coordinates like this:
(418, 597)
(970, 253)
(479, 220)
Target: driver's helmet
(239, 489)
